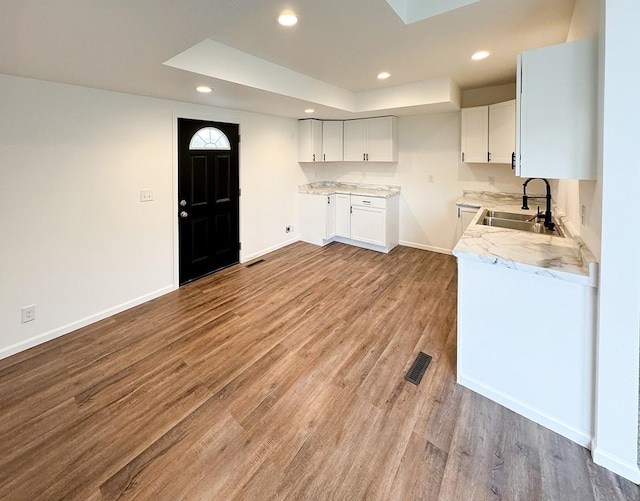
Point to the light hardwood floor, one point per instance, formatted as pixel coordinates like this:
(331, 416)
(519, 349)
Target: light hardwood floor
(280, 381)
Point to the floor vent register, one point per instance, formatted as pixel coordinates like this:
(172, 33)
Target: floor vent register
(418, 368)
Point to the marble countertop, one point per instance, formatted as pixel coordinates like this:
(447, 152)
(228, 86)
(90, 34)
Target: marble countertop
(562, 258)
(332, 187)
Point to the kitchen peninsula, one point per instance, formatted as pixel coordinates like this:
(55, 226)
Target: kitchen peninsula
(526, 318)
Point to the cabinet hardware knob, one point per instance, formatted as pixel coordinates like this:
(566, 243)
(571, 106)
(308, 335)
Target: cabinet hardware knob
(184, 214)
(183, 203)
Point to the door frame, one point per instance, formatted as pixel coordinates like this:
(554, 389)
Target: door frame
(174, 180)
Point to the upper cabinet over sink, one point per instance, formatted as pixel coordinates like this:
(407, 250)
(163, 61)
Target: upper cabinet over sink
(362, 140)
(489, 133)
(557, 111)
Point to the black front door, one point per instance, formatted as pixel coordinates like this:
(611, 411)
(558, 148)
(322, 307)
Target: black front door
(208, 197)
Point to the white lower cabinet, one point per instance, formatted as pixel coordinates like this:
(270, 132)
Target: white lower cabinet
(343, 215)
(465, 216)
(369, 219)
(369, 222)
(317, 218)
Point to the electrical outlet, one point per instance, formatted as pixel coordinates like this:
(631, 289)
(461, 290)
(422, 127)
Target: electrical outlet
(28, 313)
(492, 181)
(430, 178)
(583, 214)
(288, 229)
(146, 195)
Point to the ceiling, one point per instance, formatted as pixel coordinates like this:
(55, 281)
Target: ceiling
(337, 48)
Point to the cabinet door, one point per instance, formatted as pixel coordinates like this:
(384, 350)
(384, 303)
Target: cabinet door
(368, 224)
(309, 141)
(382, 139)
(502, 132)
(355, 140)
(465, 216)
(343, 215)
(332, 141)
(331, 217)
(475, 134)
(312, 217)
(557, 105)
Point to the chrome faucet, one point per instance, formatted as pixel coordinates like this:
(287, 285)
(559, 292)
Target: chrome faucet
(548, 223)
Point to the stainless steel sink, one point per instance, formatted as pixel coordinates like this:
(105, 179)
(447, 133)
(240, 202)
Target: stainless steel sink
(490, 218)
(507, 215)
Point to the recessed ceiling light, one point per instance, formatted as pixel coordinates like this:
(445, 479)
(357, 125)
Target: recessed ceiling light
(203, 88)
(309, 110)
(384, 75)
(287, 18)
(480, 55)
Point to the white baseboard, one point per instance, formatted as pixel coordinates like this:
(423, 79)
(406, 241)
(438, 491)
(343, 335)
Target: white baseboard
(580, 437)
(431, 248)
(262, 252)
(617, 465)
(66, 329)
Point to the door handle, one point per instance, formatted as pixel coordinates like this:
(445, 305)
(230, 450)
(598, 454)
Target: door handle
(184, 214)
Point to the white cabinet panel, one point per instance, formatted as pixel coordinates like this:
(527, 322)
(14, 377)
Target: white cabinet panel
(489, 133)
(309, 141)
(317, 218)
(383, 139)
(557, 111)
(475, 134)
(343, 215)
(371, 140)
(331, 217)
(502, 132)
(332, 141)
(465, 216)
(368, 224)
(355, 143)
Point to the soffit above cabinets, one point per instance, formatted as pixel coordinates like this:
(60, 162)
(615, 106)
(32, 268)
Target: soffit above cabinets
(216, 60)
(333, 54)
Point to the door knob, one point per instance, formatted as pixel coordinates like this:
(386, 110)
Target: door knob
(184, 214)
(183, 203)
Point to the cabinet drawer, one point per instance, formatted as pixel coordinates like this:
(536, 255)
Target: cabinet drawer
(380, 203)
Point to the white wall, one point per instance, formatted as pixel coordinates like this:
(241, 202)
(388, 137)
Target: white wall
(429, 146)
(617, 386)
(75, 239)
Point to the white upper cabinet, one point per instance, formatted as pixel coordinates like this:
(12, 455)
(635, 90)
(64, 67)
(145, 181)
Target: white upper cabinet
(502, 132)
(489, 133)
(371, 140)
(332, 141)
(557, 111)
(355, 141)
(475, 134)
(309, 141)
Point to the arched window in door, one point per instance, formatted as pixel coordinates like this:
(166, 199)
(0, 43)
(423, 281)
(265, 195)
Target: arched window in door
(209, 138)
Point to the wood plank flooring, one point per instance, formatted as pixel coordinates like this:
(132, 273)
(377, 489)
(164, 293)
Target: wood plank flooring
(280, 381)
